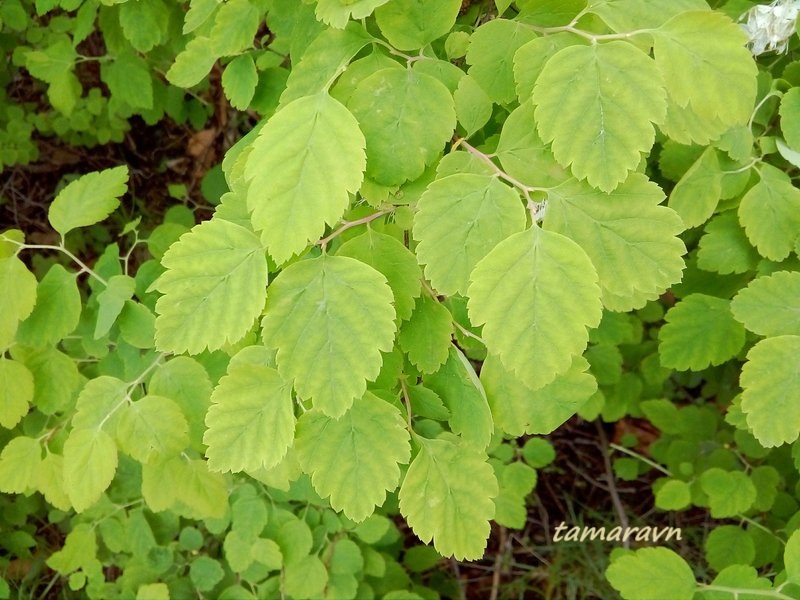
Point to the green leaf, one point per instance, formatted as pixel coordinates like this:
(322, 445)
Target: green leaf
(153, 591)
(235, 25)
(491, 53)
(16, 392)
(597, 104)
(652, 574)
(192, 63)
(473, 106)
(336, 13)
(50, 481)
(729, 545)
(790, 114)
(55, 377)
(18, 288)
(144, 23)
(50, 64)
(448, 484)
(516, 481)
(250, 421)
(536, 294)
(791, 558)
(90, 461)
(128, 79)
(770, 385)
(342, 456)
(630, 238)
(393, 260)
(673, 495)
(99, 398)
(137, 325)
(214, 288)
(724, 247)
(239, 81)
(729, 492)
(460, 219)
(329, 318)
(200, 493)
(531, 58)
(56, 312)
(706, 66)
(205, 573)
(412, 24)
(305, 578)
(111, 301)
(79, 548)
(416, 108)
(88, 200)
(696, 195)
(457, 384)
(324, 59)
(152, 429)
(304, 165)
(770, 306)
(426, 336)
(700, 332)
(517, 410)
(770, 214)
(19, 462)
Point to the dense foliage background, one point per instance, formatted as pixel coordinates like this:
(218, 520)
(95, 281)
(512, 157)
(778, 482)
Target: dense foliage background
(364, 298)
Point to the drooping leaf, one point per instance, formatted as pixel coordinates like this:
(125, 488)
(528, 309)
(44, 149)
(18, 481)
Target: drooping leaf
(473, 106)
(700, 332)
(416, 108)
(111, 301)
(517, 410)
(329, 318)
(490, 56)
(214, 288)
(457, 384)
(630, 238)
(152, 429)
(336, 13)
(88, 200)
(57, 310)
(652, 574)
(16, 392)
(460, 219)
(536, 294)
(597, 104)
(706, 66)
(239, 81)
(770, 386)
(193, 63)
(425, 338)
(393, 260)
(770, 214)
(250, 421)
(304, 164)
(354, 459)
(90, 461)
(770, 306)
(446, 497)
(412, 24)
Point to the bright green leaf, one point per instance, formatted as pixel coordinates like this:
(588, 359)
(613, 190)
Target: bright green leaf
(128, 79)
(473, 106)
(192, 63)
(652, 574)
(336, 13)
(111, 301)
(16, 392)
(729, 545)
(90, 461)
(239, 81)
(144, 23)
(729, 492)
(673, 495)
(152, 429)
(19, 462)
(790, 117)
(88, 200)
(696, 195)
(426, 336)
(724, 247)
(412, 24)
(18, 288)
(770, 305)
(57, 310)
(235, 25)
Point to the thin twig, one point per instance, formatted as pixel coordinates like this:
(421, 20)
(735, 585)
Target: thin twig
(612, 488)
(323, 243)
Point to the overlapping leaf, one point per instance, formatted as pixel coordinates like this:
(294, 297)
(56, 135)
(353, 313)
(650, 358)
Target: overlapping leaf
(57, 309)
(354, 459)
(152, 429)
(90, 461)
(446, 497)
(336, 13)
(460, 219)
(696, 195)
(16, 392)
(304, 165)
(17, 297)
(329, 319)
(412, 24)
(214, 288)
(770, 305)
(724, 247)
(425, 338)
(630, 238)
(770, 214)
(597, 104)
(536, 294)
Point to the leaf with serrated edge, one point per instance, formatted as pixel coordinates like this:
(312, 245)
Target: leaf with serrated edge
(16, 392)
(696, 195)
(304, 165)
(337, 13)
(415, 108)
(214, 288)
(393, 260)
(536, 295)
(57, 310)
(19, 462)
(426, 336)
(151, 429)
(329, 318)
(597, 104)
(88, 200)
(90, 461)
(653, 573)
(250, 421)
(517, 410)
(446, 497)
(724, 247)
(770, 389)
(412, 24)
(341, 457)
(706, 66)
(700, 332)
(630, 238)
(770, 306)
(17, 297)
(460, 219)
